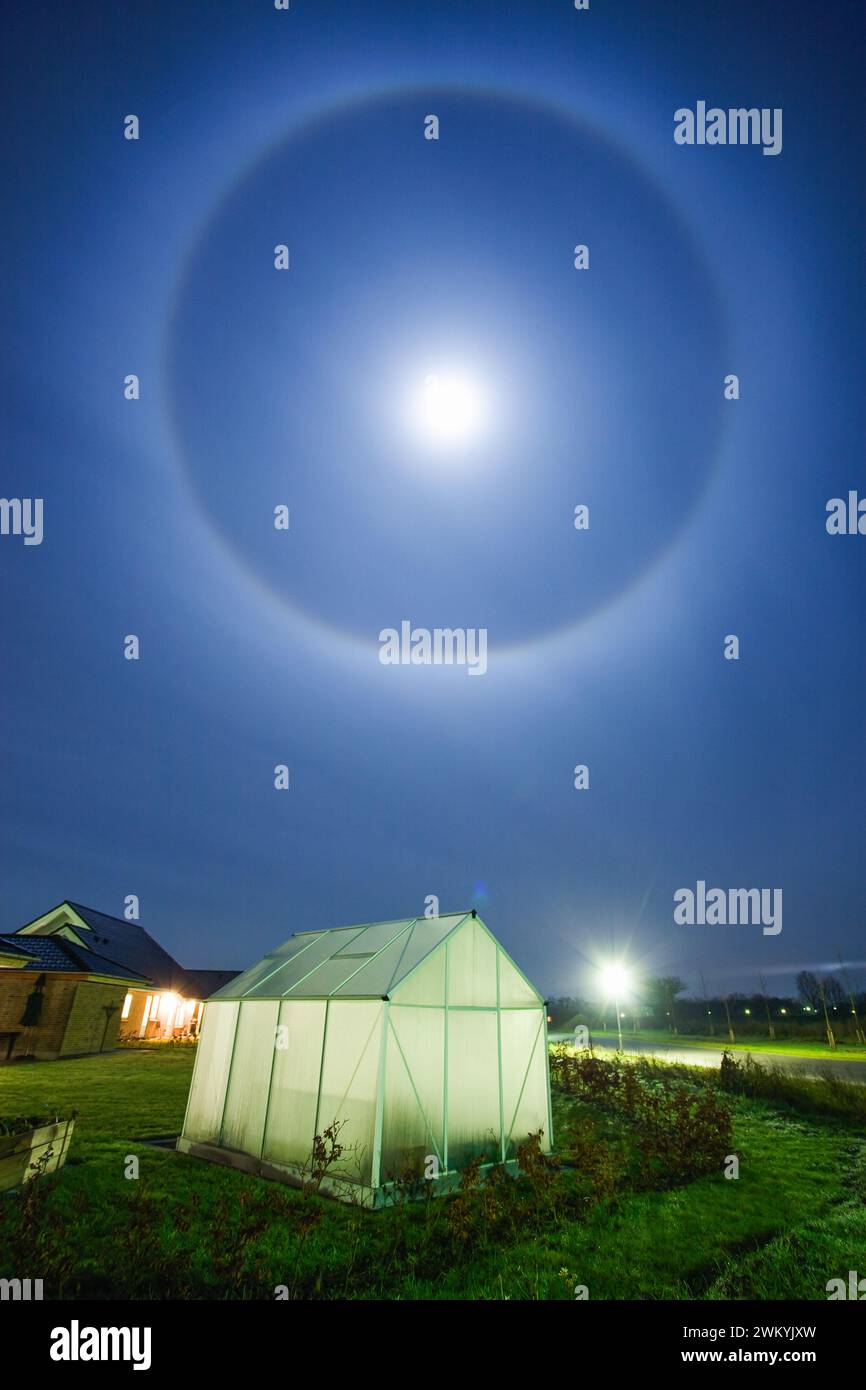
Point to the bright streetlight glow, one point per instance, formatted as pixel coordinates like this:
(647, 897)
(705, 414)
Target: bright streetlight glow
(615, 981)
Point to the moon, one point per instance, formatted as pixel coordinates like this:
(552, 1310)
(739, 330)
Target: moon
(448, 409)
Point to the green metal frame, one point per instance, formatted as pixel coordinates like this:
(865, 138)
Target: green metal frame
(321, 1071)
(499, 1054)
(380, 1101)
(445, 1063)
(547, 1074)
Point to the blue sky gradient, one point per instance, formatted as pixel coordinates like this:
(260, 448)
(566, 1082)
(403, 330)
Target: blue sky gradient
(257, 648)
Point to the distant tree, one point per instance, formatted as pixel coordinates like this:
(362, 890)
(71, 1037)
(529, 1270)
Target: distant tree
(833, 991)
(809, 989)
(662, 994)
(771, 1032)
(565, 1008)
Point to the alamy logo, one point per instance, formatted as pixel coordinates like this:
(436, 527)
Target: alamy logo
(846, 518)
(441, 646)
(22, 516)
(719, 907)
(76, 1343)
(736, 126)
(856, 1287)
(21, 1290)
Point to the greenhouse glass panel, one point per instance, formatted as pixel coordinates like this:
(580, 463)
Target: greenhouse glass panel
(425, 936)
(372, 976)
(426, 985)
(326, 979)
(413, 1126)
(350, 1078)
(534, 1111)
(472, 967)
(283, 977)
(237, 988)
(250, 1077)
(213, 1055)
(473, 1086)
(339, 936)
(374, 937)
(302, 968)
(513, 989)
(524, 1076)
(291, 1120)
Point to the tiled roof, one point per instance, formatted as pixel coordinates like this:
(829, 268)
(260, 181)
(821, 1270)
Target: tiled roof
(121, 948)
(57, 955)
(10, 947)
(129, 942)
(46, 950)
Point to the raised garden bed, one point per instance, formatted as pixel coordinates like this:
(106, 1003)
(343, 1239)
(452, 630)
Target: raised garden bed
(31, 1146)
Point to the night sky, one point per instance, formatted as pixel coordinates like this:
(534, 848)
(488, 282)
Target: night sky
(601, 387)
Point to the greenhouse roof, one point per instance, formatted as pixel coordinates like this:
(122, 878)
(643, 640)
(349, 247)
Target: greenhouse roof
(362, 962)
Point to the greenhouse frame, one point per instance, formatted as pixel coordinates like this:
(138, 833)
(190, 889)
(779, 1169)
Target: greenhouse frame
(419, 1039)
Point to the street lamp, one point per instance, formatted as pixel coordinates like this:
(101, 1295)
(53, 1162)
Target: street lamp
(616, 982)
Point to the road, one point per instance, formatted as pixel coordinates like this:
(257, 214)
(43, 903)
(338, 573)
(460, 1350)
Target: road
(845, 1069)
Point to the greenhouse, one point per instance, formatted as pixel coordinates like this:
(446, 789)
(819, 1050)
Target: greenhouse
(419, 1040)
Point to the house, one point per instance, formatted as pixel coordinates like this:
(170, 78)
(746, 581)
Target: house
(58, 999)
(419, 1039)
(75, 980)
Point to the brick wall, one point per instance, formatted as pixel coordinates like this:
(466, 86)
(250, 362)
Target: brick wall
(88, 1018)
(72, 1019)
(46, 1040)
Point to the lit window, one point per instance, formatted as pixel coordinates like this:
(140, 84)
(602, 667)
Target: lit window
(127, 1005)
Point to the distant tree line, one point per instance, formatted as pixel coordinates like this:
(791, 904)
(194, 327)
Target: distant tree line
(824, 1006)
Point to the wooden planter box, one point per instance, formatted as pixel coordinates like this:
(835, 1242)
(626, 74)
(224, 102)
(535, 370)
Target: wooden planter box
(21, 1154)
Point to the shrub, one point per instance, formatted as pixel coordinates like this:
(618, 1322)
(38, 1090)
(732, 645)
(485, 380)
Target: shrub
(681, 1129)
(828, 1095)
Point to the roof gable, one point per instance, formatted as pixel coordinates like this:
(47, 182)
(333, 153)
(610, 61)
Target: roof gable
(125, 943)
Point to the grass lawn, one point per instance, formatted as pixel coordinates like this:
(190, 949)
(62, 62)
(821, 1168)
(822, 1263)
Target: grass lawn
(795, 1218)
(783, 1047)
